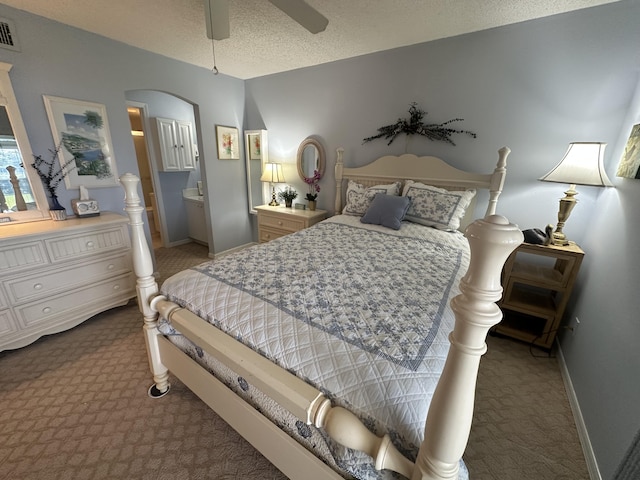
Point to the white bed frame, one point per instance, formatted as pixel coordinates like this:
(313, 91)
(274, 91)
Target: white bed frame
(448, 423)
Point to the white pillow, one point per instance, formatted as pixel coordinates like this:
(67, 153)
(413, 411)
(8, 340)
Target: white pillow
(436, 207)
(359, 197)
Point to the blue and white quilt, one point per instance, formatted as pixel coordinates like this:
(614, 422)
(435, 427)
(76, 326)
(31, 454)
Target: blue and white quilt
(359, 311)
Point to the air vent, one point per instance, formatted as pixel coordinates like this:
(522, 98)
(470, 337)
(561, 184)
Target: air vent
(8, 36)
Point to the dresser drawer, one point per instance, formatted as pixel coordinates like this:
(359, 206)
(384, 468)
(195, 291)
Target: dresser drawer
(267, 234)
(281, 223)
(7, 323)
(42, 284)
(80, 244)
(20, 256)
(90, 298)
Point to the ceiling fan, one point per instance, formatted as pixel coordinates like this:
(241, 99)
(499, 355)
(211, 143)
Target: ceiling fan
(217, 16)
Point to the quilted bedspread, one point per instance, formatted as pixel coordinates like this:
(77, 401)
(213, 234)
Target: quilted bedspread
(359, 311)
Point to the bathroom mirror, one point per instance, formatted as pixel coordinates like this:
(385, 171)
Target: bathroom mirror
(310, 158)
(22, 196)
(256, 152)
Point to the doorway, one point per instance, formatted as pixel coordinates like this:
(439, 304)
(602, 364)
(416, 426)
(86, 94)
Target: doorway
(137, 117)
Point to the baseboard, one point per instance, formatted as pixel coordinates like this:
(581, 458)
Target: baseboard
(235, 249)
(583, 435)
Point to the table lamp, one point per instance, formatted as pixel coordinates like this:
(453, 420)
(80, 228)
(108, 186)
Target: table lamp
(581, 165)
(272, 173)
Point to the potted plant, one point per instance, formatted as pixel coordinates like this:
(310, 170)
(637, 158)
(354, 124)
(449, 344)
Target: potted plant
(52, 173)
(288, 195)
(314, 188)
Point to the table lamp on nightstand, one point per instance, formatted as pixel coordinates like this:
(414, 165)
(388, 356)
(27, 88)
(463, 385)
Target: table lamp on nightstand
(272, 173)
(581, 165)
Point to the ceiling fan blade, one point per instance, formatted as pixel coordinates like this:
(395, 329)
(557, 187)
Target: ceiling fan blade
(304, 14)
(216, 14)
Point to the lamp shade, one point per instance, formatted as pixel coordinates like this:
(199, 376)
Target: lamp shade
(272, 173)
(581, 165)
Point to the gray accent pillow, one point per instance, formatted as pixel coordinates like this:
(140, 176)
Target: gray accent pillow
(386, 210)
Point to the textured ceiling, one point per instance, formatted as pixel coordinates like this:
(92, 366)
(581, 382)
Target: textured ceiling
(264, 40)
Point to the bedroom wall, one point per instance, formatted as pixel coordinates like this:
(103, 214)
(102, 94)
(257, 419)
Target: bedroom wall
(535, 87)
(59, 60)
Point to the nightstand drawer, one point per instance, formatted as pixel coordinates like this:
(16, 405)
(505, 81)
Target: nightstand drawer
(267, 234)
(281, 223)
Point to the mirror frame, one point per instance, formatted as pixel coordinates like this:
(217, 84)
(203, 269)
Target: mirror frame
(8, 100)
(264, 158)
(321, 156)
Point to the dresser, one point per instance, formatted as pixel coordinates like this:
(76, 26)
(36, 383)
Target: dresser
(55, 275)
(274, 222)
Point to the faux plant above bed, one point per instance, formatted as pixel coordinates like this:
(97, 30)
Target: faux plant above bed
(415, 126)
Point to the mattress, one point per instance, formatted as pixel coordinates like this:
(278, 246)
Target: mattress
(361, 312)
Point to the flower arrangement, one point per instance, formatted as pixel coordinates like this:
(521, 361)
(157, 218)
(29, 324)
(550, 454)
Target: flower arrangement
(314, 188)
(288, 195)
(52, 174)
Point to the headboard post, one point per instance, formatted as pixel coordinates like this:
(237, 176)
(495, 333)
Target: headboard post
(497, 180)
(338, 176)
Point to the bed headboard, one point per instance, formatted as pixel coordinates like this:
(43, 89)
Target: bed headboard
(429, 170)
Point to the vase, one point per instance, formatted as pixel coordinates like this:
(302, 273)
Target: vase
(287, 203)
(312, 205)
(57, 211)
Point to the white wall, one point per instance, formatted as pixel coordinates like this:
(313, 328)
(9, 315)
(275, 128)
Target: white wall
(535, 87)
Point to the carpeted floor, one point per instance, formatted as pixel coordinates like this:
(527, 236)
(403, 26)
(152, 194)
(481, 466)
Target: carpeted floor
(74, 406)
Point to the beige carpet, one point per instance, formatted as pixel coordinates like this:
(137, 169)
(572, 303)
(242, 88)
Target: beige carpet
(74, 406)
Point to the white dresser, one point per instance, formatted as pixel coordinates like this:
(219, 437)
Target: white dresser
(55, 275)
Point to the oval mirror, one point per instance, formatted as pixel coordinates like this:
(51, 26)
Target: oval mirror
(310, 158)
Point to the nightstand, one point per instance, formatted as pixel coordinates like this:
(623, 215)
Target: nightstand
(537, 282)
(274, 222)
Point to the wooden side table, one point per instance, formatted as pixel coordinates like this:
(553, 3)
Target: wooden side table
(537, 282)
(274, 222)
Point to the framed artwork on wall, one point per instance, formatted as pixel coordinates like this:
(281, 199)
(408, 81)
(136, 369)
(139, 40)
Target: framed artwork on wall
(629, 166)
(82, 130)
(227, 140)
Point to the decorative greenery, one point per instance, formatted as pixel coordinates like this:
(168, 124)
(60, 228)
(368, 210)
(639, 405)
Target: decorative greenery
(314, 188)
(414, 126)
(288, 195)
(51, 172)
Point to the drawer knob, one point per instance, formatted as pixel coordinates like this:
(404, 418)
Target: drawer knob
(37, 286)
(90, 244)
(111, 266)
(116, 287)
(46, 310)
(279, 222)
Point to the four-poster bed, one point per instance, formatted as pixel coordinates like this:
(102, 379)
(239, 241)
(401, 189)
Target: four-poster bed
(336, 336)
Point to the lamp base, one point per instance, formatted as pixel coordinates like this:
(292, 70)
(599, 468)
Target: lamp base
(274, 202)
(566, 206)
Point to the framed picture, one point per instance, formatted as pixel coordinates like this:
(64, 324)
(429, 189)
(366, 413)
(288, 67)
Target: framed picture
(82, 130)
(227, 139)
(629, 166)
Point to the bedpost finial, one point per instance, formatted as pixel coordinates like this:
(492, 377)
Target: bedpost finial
(130, 184)
(491, 239)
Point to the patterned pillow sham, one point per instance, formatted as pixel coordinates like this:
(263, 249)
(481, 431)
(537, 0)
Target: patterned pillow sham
(359, 197)
(436, 207)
